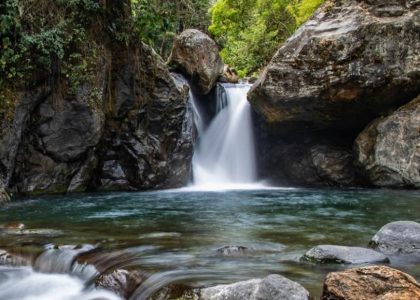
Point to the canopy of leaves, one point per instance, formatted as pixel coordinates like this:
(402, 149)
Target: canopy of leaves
(250, 31)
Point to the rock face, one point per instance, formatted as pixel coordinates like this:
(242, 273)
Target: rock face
(402, 237)
(340, 69)
(344, 255)
(388, 150)
(376, 282)
(319, 164)
(197, 56)
(272, 287)
(4, 196)
(130, 129)
(148, 143)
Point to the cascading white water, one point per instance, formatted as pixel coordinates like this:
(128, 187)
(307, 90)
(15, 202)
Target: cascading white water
(225, 153)
(26, 284)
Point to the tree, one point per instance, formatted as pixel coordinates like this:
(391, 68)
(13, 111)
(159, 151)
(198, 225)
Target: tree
(250, 31)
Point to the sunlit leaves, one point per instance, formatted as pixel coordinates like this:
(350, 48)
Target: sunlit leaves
(250, 31)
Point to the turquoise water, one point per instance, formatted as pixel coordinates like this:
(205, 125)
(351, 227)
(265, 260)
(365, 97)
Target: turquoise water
(181, 230)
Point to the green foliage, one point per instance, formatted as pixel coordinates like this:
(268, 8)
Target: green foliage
(41, 39)
(250, 31)
(302, 10)
(158, 21)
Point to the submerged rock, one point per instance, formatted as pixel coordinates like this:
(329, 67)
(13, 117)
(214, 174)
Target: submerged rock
(402, 237)
(273, 287)
(197, 55)
(9, 259)
(232, 250)
(376, 282)
(121, 282)
(388, 150)
(344, 255)
(340, 69)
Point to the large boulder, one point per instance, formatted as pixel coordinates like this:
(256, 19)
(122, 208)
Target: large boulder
(351, 62)
(376, 282)
(344, 255)
(197, 56)
(402, 237)
(388, 150)
(273, 287)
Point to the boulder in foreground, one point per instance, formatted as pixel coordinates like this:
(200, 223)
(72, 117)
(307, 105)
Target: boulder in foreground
(375, 282)
(402, 237)
(273, 287)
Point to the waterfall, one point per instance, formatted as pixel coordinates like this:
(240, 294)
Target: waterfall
(225, 154)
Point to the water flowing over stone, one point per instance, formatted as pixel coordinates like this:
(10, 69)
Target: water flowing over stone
(25, 284)
(225, 153)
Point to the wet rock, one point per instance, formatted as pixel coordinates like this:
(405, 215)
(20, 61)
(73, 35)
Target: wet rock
(149, 144)
(344, 255)
(340, 69)
(317, 165)
(388, 151)
(32, 232)
(4, 196)
(376, 282)
(229, 75)
(13, 226)
(272, 287)
(57, 146)
(8, 259)
(11, 138)
(197, 56)
(232, 250)
(121, 282)
(402, 237)
(177, 291)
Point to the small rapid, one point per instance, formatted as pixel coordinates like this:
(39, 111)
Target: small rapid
(23, 283)
(225, 154)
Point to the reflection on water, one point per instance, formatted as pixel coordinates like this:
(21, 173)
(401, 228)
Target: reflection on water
(181, 230)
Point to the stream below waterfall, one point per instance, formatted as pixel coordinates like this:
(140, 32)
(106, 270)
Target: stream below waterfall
(177, 233)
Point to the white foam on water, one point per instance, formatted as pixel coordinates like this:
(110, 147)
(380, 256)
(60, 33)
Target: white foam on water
(26, 284)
